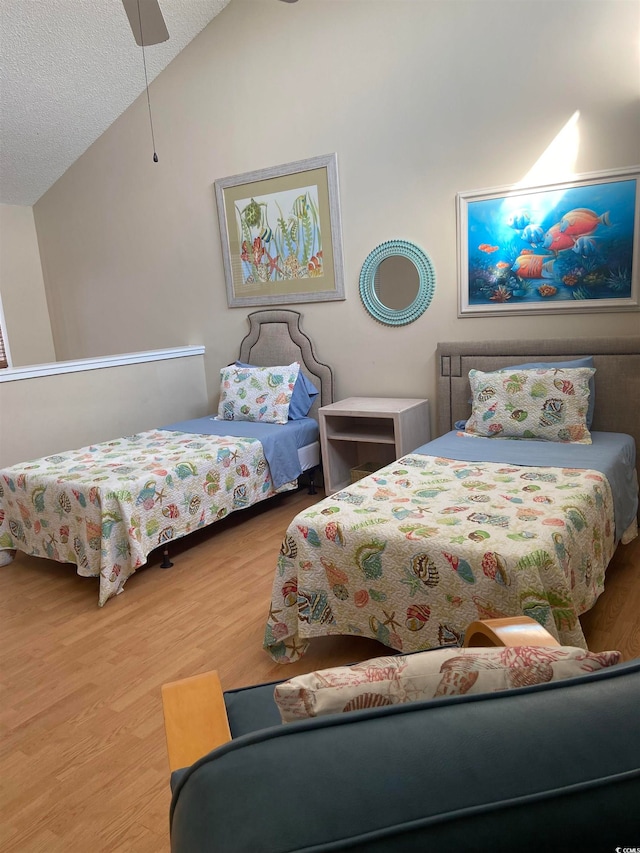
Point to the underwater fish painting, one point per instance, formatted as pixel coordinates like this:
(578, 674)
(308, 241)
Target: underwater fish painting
(292, 248)
(557, 248)
(280, 232)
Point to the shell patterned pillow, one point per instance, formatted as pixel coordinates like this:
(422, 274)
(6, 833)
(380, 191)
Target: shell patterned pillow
(449, 671)
(546, 404)
(257, 393)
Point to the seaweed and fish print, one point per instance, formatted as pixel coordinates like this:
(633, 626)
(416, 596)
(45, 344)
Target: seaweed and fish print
(412, 554)
(560, 245)
(280, 236)
(107, 506)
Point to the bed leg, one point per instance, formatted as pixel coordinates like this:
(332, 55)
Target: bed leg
(166, 562)
(312, 481)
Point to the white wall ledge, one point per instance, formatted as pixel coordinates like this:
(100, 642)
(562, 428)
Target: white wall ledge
(11, 374)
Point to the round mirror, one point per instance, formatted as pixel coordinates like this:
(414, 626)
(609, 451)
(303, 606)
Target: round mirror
(397, 282)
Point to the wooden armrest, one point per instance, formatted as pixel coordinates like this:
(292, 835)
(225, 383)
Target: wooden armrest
(195, 718)
(509, 631)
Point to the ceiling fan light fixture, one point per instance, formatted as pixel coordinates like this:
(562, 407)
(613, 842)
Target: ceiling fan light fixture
(146, 21)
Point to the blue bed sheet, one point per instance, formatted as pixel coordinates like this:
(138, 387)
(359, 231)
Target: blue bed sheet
(611, 453)
(280, 442)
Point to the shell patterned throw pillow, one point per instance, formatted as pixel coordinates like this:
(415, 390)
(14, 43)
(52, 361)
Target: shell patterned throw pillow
(257, 393)
(398, 679)
(546, 404)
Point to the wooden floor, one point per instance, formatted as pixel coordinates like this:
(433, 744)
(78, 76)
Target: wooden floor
(83, 763)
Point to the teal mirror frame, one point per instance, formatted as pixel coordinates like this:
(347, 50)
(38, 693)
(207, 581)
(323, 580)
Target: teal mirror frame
(426, 285)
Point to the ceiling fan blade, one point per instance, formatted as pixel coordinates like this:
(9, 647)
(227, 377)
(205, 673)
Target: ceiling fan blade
(146, 21)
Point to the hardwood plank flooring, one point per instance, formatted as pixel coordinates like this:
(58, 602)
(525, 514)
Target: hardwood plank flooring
(83, 763)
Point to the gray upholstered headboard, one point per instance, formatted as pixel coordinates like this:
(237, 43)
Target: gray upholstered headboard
(275, 337)
(617, 379)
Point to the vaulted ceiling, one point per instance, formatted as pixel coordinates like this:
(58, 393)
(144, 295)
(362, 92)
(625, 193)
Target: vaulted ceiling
(68, 69)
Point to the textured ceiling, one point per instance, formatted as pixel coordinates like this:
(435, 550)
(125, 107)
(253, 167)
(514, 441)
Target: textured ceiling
(69, 68)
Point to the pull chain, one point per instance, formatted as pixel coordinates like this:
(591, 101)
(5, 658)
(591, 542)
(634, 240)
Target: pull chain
(146, 82)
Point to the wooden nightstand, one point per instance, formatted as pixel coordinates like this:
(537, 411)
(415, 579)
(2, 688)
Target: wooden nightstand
(375, 430)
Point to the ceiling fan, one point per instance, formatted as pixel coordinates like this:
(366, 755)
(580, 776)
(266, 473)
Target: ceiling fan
(148, 27)
(147, 23)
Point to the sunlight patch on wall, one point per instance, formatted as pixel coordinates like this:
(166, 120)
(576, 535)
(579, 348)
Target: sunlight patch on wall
(557, 163)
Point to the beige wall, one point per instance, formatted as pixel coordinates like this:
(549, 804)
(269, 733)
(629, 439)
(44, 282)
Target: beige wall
(24, 302)
(419, 98)
(50, 414)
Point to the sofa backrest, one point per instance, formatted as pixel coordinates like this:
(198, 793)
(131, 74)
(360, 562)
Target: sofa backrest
(554, 766)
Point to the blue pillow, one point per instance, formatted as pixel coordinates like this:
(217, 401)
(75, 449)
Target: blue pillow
(304, 392)
(587, 361)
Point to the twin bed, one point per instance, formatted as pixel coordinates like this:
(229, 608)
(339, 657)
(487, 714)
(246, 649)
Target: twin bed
(465, 527)
(107, 506)
(469, 526)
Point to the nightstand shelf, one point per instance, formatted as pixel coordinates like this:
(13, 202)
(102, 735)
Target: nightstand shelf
(361, 430)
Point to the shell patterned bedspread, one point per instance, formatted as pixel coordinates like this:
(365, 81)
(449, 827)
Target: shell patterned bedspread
(107, 506)
(414, 553)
